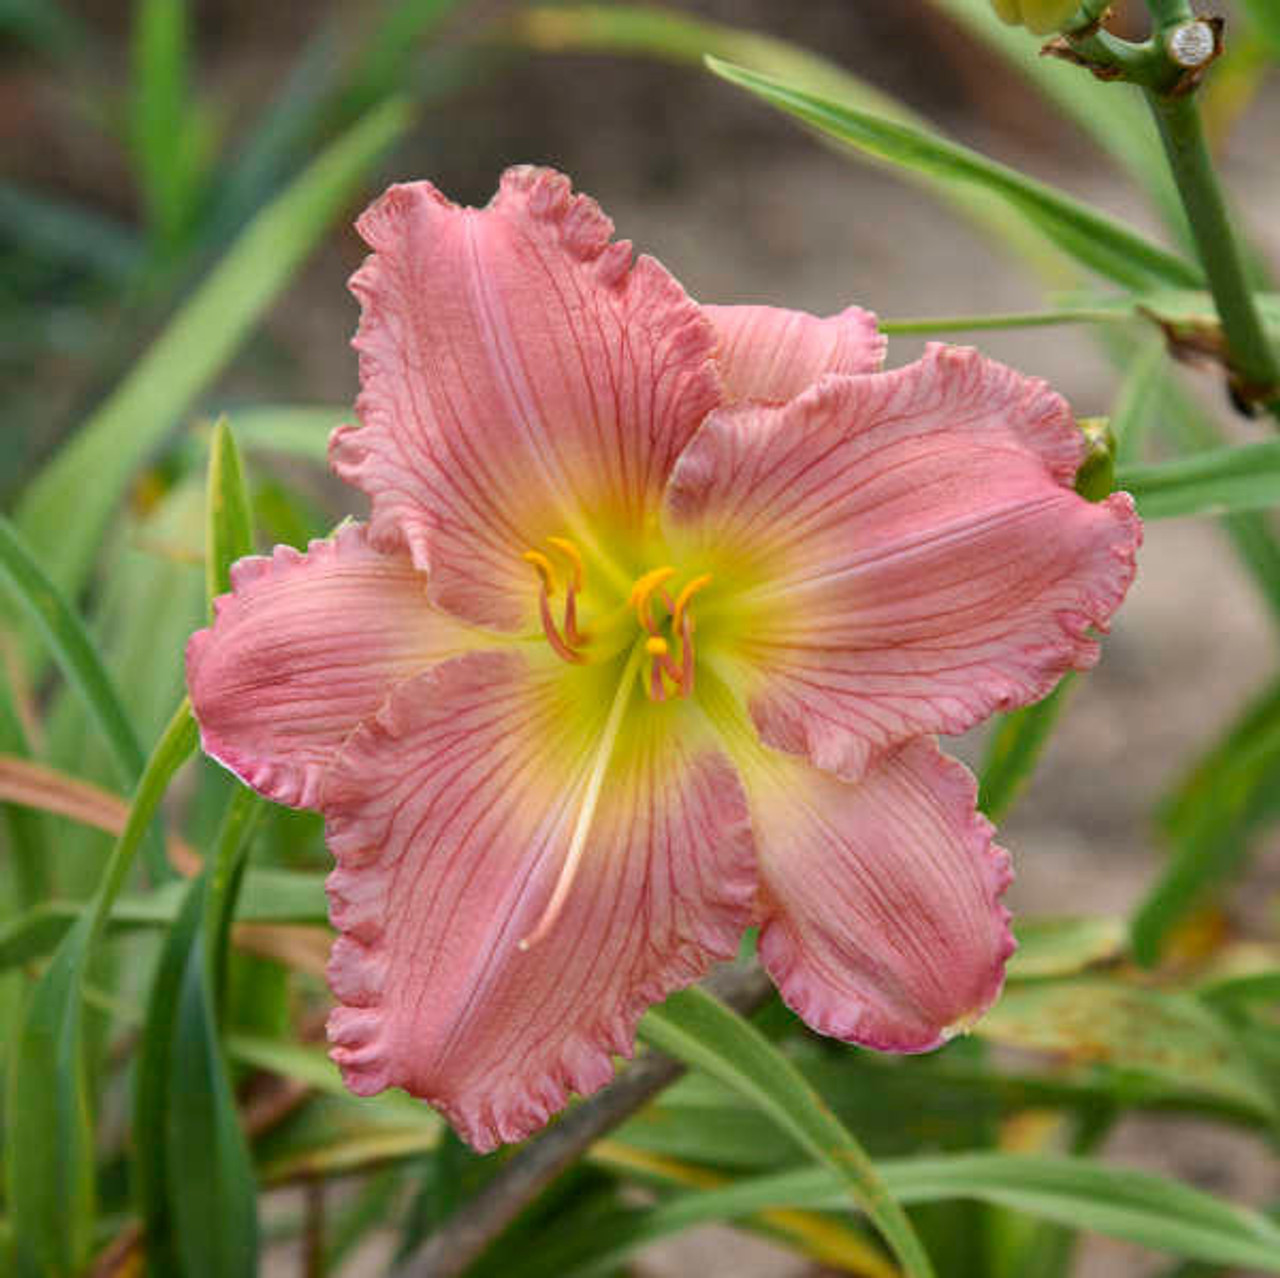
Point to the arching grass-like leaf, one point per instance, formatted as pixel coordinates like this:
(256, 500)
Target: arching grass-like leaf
(48, 1140)
(1218, 482)
(1209, 819)
(193, 1175)
(1014, 749)
(1097, 241)
(653, 31)
(698, 1029)
(68, 641)
(1152, 1211)
(66, 509)
(1124, 130)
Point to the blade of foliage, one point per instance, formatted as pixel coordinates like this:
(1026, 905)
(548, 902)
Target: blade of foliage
(33, 875)
(77, 657)
(664, 33)
(1099, 242)
(69, 642)
(267, 896)
(1064, 946)
(1152, 1211)
(312, 1067)
(51, 228)
(1250, 532)
(46, 790)
(229, 534)
(48, 1138)
(194, 1178)
(1210, 818)
(1013, 750)
(822, 1237)
(148, 600)
(163, 156)
(1123, 130)
(333, 79)
(1137, 402)
(1143, 1041)
(293, 430)
(696, 1028)
(400, 32)
(1223, 480)
(66, 509)
(1249, 987)
(272, 148)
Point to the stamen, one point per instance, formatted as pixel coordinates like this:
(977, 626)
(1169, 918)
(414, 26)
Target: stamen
(657, 689)
(554, 638)
(545, 569)
(590, 800)
(575, 636)
(686, 656)
(643, 589)
(570, 552)
(682, 600)
(656, 646)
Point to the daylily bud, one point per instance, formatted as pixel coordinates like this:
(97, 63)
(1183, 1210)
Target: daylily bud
(1040, 17)
(1096, 477)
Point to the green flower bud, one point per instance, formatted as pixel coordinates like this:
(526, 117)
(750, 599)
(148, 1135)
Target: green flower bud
(1039, 16)
(1097, 474)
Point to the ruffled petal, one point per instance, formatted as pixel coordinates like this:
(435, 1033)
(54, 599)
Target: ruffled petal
(770, 354)
(521, 378)
(882, 917)
(905, 553)
(302, 649)
(450, 816)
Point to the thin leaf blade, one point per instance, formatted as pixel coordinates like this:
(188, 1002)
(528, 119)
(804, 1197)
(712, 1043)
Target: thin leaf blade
(695, 1027)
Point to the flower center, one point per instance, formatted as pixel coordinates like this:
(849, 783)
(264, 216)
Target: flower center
(666, 621)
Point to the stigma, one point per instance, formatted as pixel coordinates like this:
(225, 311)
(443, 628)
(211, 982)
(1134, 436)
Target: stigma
(665, 621)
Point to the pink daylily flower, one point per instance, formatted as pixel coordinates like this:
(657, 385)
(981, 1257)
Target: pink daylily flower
(645, 642)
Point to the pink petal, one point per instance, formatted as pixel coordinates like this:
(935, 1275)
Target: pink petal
(883, 921)
(521, 378)
(303, 648)
(450, 816)
(766, 353)
(905, 552)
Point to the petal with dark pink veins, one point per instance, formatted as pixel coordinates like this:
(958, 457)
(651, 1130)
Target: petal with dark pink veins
(451, 816)
(907, 553)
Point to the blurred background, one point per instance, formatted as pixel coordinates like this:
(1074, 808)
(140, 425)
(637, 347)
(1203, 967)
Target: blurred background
(139, 140)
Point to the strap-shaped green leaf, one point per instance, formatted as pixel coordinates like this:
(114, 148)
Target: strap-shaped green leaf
(1099, 242)
(48, 1148)
(65, 511)
(73, 650)
(698, 1029)
(1153, 1211)
(1217, 482)
(192, 1170)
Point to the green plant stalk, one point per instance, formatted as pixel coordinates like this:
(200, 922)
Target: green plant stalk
(1253, 361)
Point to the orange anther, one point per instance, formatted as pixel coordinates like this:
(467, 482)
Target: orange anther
(682, 599)
(643, 589)
(570, 552)
(545, 569)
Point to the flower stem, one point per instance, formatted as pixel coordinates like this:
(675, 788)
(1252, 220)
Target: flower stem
(1254, 367)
